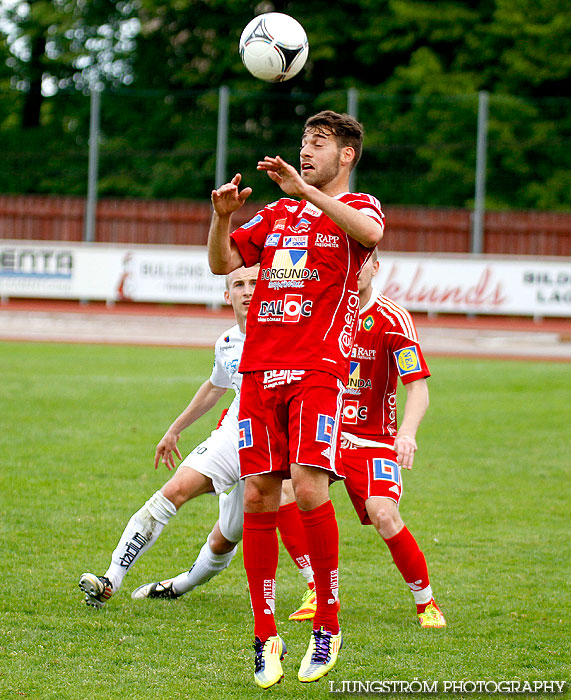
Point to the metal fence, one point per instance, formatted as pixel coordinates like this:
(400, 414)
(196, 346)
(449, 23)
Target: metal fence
(420, 150)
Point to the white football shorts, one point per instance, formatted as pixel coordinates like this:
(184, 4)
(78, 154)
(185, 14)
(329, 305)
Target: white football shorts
(231, 513)
(217, 457)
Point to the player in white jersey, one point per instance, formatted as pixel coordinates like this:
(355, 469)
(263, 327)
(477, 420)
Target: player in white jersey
(212, 467)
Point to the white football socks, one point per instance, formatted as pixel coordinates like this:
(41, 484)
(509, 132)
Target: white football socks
(423, 596)
(307, 573)
(206, 566)
(141, 533)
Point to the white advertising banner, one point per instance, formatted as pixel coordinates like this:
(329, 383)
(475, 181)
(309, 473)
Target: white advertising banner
(525, 286)
(429, 283)
(109, 273)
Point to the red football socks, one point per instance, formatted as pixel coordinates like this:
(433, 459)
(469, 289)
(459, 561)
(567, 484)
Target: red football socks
(409, 559)
(260, 546)
(322, 535)
(292, 533)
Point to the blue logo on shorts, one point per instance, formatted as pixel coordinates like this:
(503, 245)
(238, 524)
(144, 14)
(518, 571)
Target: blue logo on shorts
(245, 433)
(325, 426)
(386, 469)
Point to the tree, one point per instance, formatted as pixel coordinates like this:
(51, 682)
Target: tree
(418, 65)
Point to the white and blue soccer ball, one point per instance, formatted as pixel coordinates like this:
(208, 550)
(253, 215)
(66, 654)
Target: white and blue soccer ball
(274, 47)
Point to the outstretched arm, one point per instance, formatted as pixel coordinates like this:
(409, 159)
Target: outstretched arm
(223, 254)
(205, 398)
(414, 410)
(356, 224)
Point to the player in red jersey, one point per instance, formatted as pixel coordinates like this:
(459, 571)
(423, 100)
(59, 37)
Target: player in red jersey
(301, 325)
(373, 450)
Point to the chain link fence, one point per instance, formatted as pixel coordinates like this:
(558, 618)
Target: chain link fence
(419, 150)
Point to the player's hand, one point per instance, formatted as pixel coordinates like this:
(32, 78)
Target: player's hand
(405, 447)
(227, 199)
(164, 451)
(284, 174)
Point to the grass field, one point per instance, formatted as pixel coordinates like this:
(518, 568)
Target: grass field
(488, 501)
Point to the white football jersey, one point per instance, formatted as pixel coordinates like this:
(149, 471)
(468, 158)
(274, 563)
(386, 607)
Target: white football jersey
(227, 354)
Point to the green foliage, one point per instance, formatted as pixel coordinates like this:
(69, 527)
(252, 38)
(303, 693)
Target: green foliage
(417, 64)
(78, 429)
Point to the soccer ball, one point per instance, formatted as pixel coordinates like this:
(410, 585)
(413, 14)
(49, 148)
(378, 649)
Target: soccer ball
(273, 47)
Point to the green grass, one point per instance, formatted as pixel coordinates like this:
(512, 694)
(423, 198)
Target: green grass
(488, 501)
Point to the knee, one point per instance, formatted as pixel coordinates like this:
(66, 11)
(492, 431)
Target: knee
(218, 543)
(185, 485)
(261, 495)
(310, 485)
(386, 519)
(175, 494)
(305, 497)
(254, 497)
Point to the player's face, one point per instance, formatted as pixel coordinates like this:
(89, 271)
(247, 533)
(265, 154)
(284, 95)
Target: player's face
(368, 271)
(319, 158)
(241, 285)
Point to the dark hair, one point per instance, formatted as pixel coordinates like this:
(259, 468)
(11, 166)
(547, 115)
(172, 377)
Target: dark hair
(346, 129)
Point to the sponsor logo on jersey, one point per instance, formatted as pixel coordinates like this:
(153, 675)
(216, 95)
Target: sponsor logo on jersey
(289, 309)
(368, 323)
(353, 412)
(325, 427)
(326, 240)
(407, 360)
(360, 353)
(355, 383)
(311, 210)
(385, 469)
(253, 222)
(245, 433)
(226, 338)
(290, 260)
(272, 240)
(354, 373)
(289, 269)
(279, 225)
(347, 332)
(295, 241)
(302, 225)
(279, 377)
(231, 365)
(295, 308)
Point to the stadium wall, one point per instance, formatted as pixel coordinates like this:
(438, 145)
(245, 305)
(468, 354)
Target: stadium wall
(172, 222)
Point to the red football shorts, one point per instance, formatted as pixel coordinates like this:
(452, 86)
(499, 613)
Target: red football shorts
(371, 471)
(289, 416)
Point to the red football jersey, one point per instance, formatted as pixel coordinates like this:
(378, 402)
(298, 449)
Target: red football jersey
(303, 314)
(385, 348)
